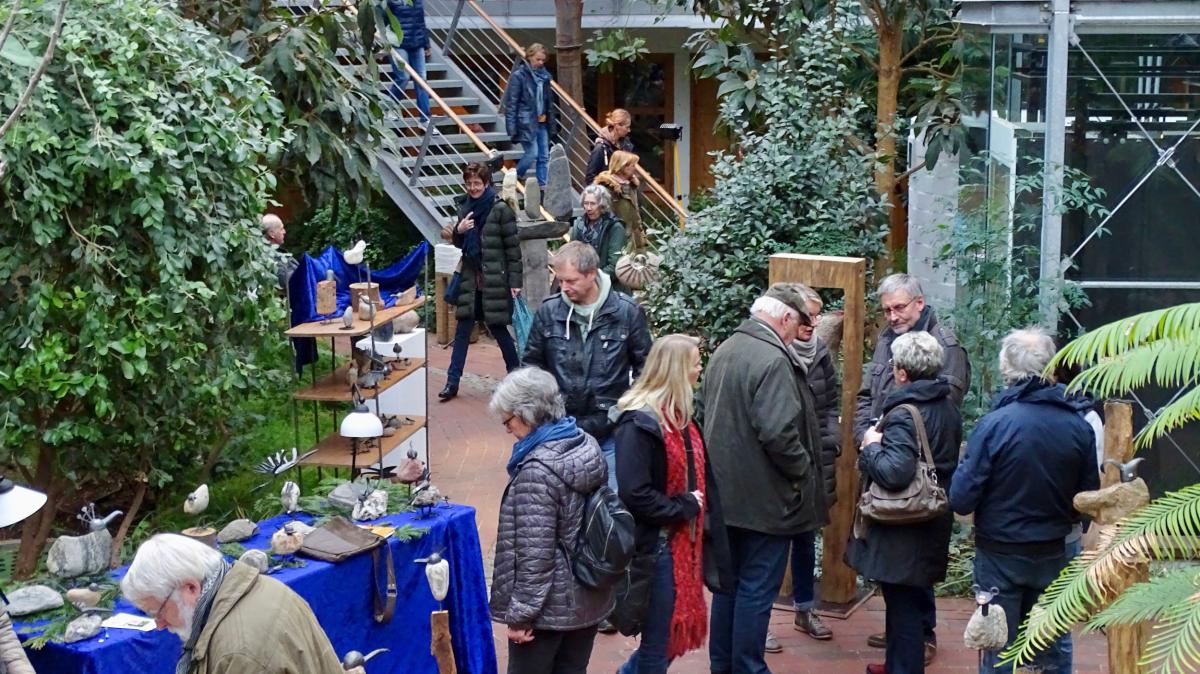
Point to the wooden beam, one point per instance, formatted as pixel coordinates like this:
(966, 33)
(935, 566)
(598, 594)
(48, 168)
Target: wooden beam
(1126, 643)
(849, 274)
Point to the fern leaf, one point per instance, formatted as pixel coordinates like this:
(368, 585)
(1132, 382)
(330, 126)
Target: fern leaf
(1164, 529)
(1174, 644)
(1169, 363)
(1180, 322)
(1149, 600)
(1185, 409)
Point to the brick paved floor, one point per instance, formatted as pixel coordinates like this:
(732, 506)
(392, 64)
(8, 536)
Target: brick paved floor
(468, 452)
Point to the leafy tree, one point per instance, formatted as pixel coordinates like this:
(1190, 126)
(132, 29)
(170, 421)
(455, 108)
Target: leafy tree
(794, 186)
(137, 296)
(1160, 348)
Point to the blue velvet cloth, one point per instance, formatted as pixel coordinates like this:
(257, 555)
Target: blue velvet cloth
(302, 287)
(341, 598)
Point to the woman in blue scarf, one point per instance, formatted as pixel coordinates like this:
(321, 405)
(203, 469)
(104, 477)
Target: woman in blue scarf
(551, 617)
(490, 273)
(529, 113)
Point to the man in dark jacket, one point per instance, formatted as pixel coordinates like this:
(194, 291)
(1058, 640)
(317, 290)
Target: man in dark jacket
(761, 430)
(903, 304)
(1025, 461)
(594, 341)
(415, 48)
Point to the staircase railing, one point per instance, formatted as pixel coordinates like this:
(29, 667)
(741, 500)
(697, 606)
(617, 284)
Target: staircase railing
(487, 54)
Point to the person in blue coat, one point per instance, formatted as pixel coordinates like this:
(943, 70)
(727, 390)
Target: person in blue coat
(529, 113)
(414, 46)
(1025, 462)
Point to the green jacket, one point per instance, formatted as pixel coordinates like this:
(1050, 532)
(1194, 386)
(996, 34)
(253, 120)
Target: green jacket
(607, 236)
(502, 270)
(761, 434)
(258, 624)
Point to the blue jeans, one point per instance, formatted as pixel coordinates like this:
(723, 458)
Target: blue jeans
(608, 447)
(904, 619)
(1020, 579)
(651, 654)
(804, 562)
(536, 149)
(416, 59)
(738, 628)
(462, 341)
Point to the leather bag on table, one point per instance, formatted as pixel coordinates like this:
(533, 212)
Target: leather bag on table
(340, 539)
(922, 500)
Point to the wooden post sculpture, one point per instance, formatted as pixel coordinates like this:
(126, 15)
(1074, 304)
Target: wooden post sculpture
(437, 572)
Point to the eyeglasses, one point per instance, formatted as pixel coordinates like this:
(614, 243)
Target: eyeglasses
(154, 615)
(897, 308)
(509, 420)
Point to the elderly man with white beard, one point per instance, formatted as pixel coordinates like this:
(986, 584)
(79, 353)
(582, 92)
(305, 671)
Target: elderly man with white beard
(230, 618)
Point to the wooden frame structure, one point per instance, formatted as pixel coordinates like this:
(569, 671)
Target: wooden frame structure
(838, 582)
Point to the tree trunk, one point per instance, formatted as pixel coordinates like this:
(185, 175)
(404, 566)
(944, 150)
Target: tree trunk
(891, 45)
(114, 559)
(568, 46)
(36, 529)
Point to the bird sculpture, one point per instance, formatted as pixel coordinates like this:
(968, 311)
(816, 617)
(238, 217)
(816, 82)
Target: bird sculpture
(355, 659)
(329, 276)
(425, 498)
(355, 254)
(87, 515)
(84, 597)
(366, 308)
(196, 501)
(280, 462)
(508, 189)
(411, 469)
(1128, 471)
(348, 318)
(290, 497)
(437, 572)
(352, 374)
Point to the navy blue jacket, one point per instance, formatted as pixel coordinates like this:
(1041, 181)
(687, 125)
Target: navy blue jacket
(412, 22)
(1025, 462)
(520, 105)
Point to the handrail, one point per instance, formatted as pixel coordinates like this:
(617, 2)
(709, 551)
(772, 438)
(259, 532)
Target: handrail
(483, 147)
(579, 110)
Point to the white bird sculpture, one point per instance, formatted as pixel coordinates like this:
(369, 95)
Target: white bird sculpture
(437, 572)
(196, 501)
(290, 497)
(355, 254)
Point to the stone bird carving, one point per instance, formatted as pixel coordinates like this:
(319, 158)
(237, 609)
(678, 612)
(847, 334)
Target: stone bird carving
(196, 501)
(289, 496)
(437, 572)
(355, 254)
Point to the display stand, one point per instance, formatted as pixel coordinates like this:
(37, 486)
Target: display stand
(403, 392)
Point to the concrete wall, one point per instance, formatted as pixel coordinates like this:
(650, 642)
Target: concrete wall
(932, 202)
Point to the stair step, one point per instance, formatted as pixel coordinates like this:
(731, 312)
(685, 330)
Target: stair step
(456, 159)
(488, 138)
(443, 121)
(452, 101)
(428, 181)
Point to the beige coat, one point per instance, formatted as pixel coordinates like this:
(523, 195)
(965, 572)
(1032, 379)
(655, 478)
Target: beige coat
(258, 624)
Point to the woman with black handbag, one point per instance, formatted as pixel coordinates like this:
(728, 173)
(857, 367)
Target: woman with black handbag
(661, 478)
(921, 425)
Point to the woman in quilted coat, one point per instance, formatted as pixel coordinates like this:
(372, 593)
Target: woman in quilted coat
(551, 616)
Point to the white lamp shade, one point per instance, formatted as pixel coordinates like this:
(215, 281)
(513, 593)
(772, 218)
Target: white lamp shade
(361, 424)
(17, 502)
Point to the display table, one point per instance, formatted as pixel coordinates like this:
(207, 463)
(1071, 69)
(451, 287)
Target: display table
(341, 598)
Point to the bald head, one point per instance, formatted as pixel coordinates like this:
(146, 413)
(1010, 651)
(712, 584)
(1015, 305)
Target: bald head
(1025, 353)
(272, 228)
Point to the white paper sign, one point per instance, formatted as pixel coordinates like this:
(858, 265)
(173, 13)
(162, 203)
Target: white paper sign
(128, 621)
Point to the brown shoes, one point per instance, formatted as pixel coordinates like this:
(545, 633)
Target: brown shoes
(880, 641)
(812, 625)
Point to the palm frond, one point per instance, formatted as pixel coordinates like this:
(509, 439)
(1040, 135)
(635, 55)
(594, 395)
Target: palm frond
(1180, 322)
(1169, 363)
(1185, 409)
(1164, 529)
(1150, 599)
(1174, 644)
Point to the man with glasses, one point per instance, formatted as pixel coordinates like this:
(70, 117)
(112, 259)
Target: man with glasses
(904, 308)
(764, 445)
(230, 618)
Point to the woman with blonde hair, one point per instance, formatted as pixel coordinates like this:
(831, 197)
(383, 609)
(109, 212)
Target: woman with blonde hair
(622, 181)
(529, 113)
(618, 123)
(664, 480)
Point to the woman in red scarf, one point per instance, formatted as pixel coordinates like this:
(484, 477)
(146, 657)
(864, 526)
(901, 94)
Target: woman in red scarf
(661, 479)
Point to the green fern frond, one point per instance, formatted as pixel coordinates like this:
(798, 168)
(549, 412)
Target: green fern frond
(1179, 413)
(1174, 644)
(1165, 529)
(1180, 322)
(1149, 600)
(1169, 363)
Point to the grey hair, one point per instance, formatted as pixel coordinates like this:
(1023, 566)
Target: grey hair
(918, 354)
(271, 222)
(897, 282)
(773, 308)
(603, 196)
(531, 394)
(579, 255)
(165, 562)
(1025, 353)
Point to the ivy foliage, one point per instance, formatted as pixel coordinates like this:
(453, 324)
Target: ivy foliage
(795, 186)
(136, 291)
(608, 49)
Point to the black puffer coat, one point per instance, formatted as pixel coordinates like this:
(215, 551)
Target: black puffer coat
(502, 269)
(827, 394)
(911, 554)
(532, 582)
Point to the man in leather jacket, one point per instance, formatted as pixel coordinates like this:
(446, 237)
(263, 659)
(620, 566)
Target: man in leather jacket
(593, 339)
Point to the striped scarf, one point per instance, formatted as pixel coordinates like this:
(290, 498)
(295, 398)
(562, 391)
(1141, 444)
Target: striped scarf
(689, 620)
(208, 592)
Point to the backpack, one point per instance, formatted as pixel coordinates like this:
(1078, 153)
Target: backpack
(604, 546)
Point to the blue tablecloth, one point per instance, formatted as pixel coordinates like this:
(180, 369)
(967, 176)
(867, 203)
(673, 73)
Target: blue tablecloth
(341, 598)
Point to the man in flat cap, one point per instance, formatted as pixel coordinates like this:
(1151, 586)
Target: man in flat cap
(763, 444)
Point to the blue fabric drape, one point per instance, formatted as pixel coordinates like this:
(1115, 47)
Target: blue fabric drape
(302, 288)
(341, 598)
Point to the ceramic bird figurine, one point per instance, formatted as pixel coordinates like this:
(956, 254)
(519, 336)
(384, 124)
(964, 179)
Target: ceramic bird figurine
(355, 254)
(87, 515)
(348, 318)
(290, 497)
(437, 572)
(196, 501)
(1128, 471)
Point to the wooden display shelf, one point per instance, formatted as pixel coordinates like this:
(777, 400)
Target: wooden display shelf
(333, 387)
(358, 329)
(335, 451)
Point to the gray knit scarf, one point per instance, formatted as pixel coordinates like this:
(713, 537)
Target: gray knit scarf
(208, 592)
(805, 351)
